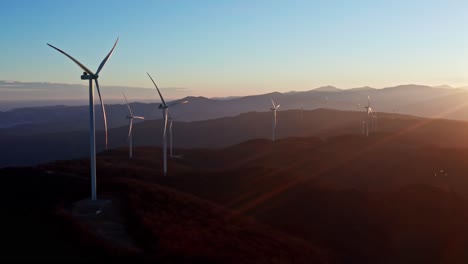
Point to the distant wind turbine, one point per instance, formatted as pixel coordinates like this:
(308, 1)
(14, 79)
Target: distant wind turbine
(89, 75)
(165, 107)
(130, 117)
(170, 125)
(375, 121)
(302, 112)
(369, 113)
(274, 108)
(170, 136)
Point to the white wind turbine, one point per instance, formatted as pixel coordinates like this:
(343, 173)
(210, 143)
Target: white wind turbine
(89, 75)
(170, 125)
(302, 112)
(163, 106)
(130, 117)
(369, 113)
(274, 108)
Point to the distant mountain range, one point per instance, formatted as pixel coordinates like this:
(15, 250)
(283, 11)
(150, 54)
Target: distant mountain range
(26, 148)
(419, 100)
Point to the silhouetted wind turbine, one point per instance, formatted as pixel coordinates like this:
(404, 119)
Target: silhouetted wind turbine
(130, 117)
(274, 108)
(163, 106)
(170, 135)
(170, 124)
(302, 112)
(89, 75)
(369, 112)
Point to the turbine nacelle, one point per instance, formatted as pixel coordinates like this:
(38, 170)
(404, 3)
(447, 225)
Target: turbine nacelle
(87, 76)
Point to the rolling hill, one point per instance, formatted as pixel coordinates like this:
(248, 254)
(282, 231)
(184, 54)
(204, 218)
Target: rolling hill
(383, 199)
(26, 150)
(419, 100)
(43, 221)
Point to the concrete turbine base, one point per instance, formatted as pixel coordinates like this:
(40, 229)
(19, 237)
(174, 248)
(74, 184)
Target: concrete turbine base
(89, 208)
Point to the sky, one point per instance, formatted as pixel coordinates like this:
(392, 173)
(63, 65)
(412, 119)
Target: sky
(230, 48)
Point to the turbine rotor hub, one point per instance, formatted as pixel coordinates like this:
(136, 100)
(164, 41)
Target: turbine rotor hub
(87, 76)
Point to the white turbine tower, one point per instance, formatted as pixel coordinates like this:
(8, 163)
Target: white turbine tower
(302, 112)
(130, 117)
(170, 135)
(274, 108)
(369, 113)
(89, 75)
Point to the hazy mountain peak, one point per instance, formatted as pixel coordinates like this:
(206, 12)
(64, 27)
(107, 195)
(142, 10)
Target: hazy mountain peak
(443, 86)
(327, 88)
(364, 88)
(274, 93)
(194, 98)
(411, 86)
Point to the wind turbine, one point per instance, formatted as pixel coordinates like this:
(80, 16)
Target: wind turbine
(369, 113)
(89, 75)
(375, 121)
(170, 124)
(165, 108)
(274, 108)
(302, 112)
(130, 117)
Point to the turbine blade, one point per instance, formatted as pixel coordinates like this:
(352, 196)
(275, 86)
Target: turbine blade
(368, 101)
(103, 109)
(130, 129)
(160, 95)
(73, 59)
(273, 103)
(106, 58)
(138, 117)
(277, 106)
(128, 105)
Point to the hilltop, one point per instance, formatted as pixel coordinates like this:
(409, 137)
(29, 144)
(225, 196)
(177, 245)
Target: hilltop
(386, 198)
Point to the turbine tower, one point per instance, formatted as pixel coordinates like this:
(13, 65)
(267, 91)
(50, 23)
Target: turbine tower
(302, 112)
(130, 117)
(170, 136)
(369, 113)
(89, 75)
(274, 108)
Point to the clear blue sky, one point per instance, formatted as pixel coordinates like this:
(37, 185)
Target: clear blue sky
(219, 48)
